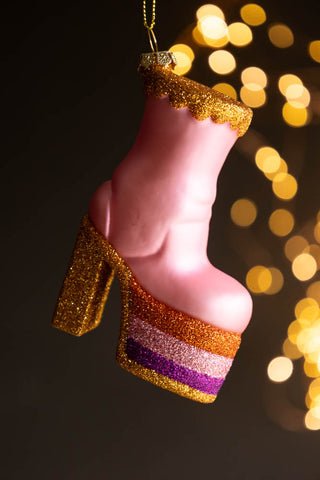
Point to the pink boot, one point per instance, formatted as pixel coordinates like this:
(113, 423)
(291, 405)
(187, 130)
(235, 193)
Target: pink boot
(181, 317)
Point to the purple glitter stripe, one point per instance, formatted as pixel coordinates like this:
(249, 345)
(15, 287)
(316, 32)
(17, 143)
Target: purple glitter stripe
(179, 352)
(148, 359)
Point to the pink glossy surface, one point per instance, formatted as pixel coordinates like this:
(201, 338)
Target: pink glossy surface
(156, 213)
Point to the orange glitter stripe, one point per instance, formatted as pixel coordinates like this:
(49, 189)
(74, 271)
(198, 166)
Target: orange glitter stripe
(181, 326)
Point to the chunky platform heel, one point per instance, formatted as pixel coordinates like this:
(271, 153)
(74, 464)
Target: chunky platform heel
(86, 285)
(157, 343)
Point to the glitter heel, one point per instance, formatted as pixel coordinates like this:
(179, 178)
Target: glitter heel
(157, 343)
(86, 285)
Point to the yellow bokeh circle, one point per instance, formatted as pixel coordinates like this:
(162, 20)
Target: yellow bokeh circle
(253, 98)
(243, 212)
(280, 369)
(295, 117)
(259, 279)
(284, 186)
(281, 35)
(281, 222)
(253, 14)
(227, 89)
(304, 267)
(222, 62)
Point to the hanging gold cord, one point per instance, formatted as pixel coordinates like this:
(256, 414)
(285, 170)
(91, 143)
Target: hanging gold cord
(152, 38)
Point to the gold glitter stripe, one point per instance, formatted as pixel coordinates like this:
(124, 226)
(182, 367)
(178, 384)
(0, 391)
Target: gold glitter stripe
(83, 296)
(165, 382)
(181, 326)
(203, 102)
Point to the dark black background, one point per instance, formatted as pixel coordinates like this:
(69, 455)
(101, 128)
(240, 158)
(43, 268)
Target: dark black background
(71, 107)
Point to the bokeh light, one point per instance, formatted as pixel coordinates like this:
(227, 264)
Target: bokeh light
(298, 96)
(307, 309)
(314, 250)
(313, 291)
(314, 389)
(253, 98)
(311, 369)
(259, 279)
(209, 10)
(316, 232)
(184, 56)
(314, 50)
(276, 281)
(312, 419)
(254, 76)
(295, 117)
(243, 212)
(227, 89)
(239, 34)
(294, 246)
(281, 222)
(304, 267)
(283, 168)
(213, 27)
(290, 350)
(294, 329)
(222, 62)
(284, 186)
(281, 35)
(253, 14)
(286, 80)
(198, 37)
(280, 369)
(267, 159)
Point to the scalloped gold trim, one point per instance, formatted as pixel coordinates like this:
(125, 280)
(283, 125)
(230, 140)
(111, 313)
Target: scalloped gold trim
(202, 101)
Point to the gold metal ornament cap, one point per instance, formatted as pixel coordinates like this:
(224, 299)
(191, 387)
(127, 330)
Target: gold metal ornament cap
(164, 58)
(203, 102)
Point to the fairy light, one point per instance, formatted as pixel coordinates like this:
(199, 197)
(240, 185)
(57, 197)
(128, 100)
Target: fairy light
(184, 56)
(222, 62)
(290, 350)
(213, 27)
(227, 89)
(294, 246)
(277, 281)
(283, 168)
(304, 267)
(209, 10)
(281, 222)
(259, 279)
(253, 14)
(313, 291)
(267, 159)
(314, 50)
(298, 96)
(280, 35)
(254, 76)
(284, 186)
(286, 80)
(316, 232)
(243, 212)
(239, 34)
(295, 117)
(253, 98)
(303, 340)
(314, 250)
(312, 419)
(307, 309)
(280, 369)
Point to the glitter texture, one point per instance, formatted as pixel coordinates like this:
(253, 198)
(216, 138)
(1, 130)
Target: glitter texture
(80, 305)
(149, 359)
(202, 101)
(179, 352)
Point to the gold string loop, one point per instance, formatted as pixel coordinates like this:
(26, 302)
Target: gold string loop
(151, 35)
